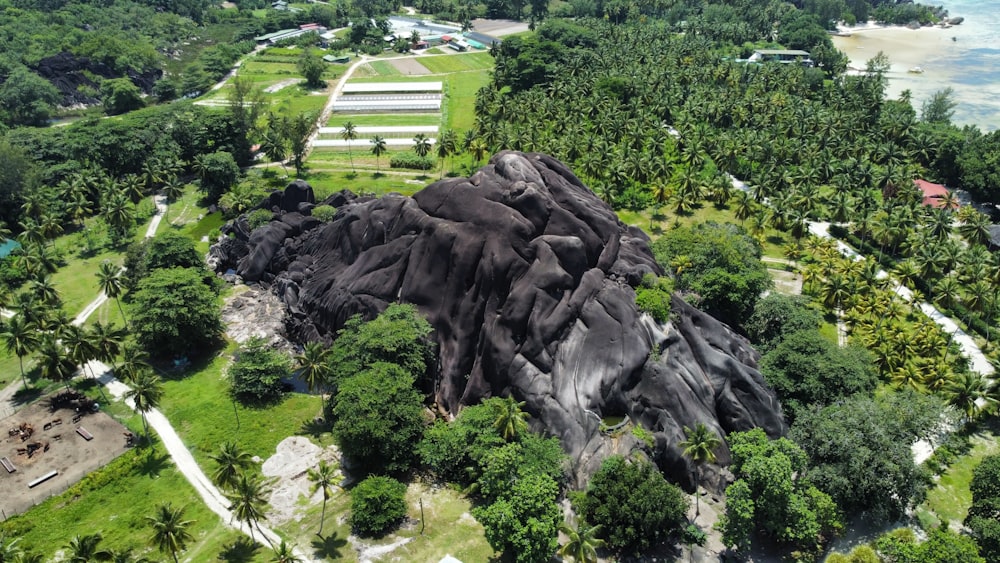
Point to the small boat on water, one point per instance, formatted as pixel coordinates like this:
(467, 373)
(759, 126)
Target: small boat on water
(916, 70)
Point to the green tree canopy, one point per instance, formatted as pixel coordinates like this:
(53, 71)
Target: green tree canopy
(378, 417)
(984, 515)
(524, 522)
(175, 313)
(807, 369)
(859, 450)
(777, 316)
(456, 450)
(312, 67)
(378, 504)
(634, 505)
(256, 374)
(120, 95)
(397, 335)
(722, 268)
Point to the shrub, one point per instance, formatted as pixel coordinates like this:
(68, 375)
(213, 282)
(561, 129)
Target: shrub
(634, 505)
(412, 161)
(378, 504)
(324, 212)
(259, 218)
(653, 297)
(256, 374)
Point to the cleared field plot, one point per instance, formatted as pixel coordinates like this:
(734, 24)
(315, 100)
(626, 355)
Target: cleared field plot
(457, 63)
(387, 105)
(369, 87)
(384, 68)
(385, 119)
(361, 144)
(461, 100)
(400, 129)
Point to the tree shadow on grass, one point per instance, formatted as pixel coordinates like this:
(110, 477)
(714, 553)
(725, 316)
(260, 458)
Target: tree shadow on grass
(242, 550)
(153, 463)
(315, 427)
(328, 547)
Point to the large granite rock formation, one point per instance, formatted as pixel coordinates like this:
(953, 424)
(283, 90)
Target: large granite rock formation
(68, 72)
(527, 278)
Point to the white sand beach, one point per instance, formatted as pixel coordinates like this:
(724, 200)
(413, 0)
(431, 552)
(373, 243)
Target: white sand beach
(961, 57)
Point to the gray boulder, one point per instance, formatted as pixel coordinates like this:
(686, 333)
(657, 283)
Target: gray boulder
(528, 280)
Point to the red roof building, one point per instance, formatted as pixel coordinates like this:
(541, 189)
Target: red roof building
(935, 195)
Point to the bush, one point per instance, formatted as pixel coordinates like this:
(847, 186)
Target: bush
(259, 218)
(634, 505)
(176, 312)
(412, 161)
(324, 212)
(256, 374)
(378, 504)
(653, 297)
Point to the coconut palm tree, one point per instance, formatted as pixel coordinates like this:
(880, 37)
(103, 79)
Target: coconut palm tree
(109, 340)
(378, 149)
(80, 347)
(84, 549)
(322, 480)
(249, 496)
(285, 553)
(134, 361)
(975, 228)
(966, 392)
(146, 393)
(20, 338)
(508, 418)
(231, 462)
(421, 145)
(699, 445)
(314, 367)
(44, 291)
(349, 133)
(53, 362)
(170, 530)
(583, 542)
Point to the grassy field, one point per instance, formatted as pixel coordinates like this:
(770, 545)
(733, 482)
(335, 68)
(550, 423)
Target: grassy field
(327, 182)
(457, 63)
(950, 499)
(460, 103)
(448, 529)
(197, 403)
(385, 119)
(115, 501)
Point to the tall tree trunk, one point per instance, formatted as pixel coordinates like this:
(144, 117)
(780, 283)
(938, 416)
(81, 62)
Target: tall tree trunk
(20, 360)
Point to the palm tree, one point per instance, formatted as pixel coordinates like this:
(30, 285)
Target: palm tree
(125, 556)
(508, 418)
(976, 228)
(966, 391)
(478, 149)
(109, 279)
(322, 480)
(134, 361)
(284, 553)
(109, 340)
(249, 501)
(53, 362)
(83, 549)
(20, 338)
(172, 189)
(232, 461)
(45, 292)
(699, 445)
(378, 149)
(447, 145)
(80, 347)
(421, 144)
(170, 530)
(583, 543)
(350, 133)
(146, 393)
(314, 368)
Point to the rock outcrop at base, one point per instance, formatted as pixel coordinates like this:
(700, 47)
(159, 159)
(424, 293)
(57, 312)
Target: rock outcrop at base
(74, 76)
(527, 278)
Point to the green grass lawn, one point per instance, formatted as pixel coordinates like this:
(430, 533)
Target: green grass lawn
(384, 119)
(460, 103)
(384, 68)
(448, 528)
(457, 63)
(950, 499)
(198, 405)
(325, 183)
(115, 501)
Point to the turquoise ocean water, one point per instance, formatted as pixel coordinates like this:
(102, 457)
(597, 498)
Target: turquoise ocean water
(970, 64)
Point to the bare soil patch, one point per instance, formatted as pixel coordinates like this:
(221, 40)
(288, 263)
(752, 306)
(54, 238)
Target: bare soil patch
(68, 453)
(499, 28)
(409, 66)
